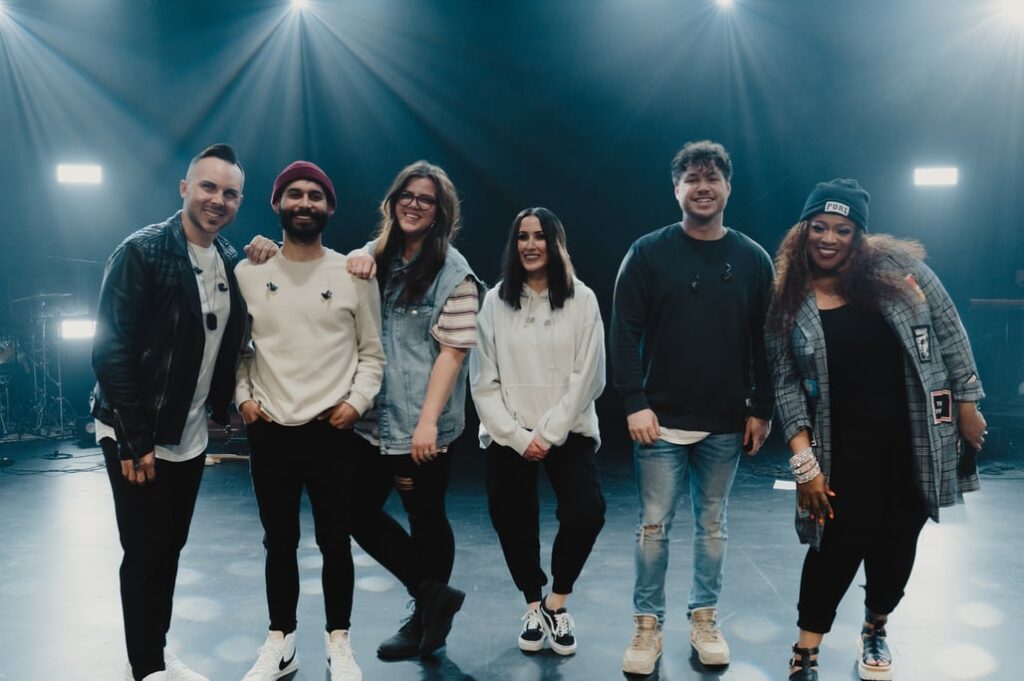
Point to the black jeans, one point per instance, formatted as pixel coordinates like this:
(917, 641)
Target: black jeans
(427, 551)
(152, 522)
(879, 515)
(283, 460)
(512, 501)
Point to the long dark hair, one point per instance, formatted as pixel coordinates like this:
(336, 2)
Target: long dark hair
(559, 268)
(391, 240)
(862, 279)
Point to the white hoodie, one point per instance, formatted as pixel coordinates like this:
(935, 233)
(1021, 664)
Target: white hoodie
(537, 371)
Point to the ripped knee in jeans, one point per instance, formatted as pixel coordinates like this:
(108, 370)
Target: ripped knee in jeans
(403, 483)
(651, 531)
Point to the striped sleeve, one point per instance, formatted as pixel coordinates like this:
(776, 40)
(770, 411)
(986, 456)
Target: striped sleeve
(456, 327)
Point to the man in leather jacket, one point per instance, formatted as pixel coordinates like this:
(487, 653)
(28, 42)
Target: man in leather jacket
(169, 330)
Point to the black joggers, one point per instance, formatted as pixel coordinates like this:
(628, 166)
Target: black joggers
(513, 504)
(879, 514)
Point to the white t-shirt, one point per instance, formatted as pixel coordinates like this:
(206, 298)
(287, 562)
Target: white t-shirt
(677, 436)
(195, 435)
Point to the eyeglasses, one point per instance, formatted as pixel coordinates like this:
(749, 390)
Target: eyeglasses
(423, 201)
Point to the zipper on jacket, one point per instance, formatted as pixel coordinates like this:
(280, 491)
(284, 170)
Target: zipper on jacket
(167, 372)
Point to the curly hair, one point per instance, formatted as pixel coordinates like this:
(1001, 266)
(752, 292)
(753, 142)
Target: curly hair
(391, 241)
(862, 279)
(703, 154)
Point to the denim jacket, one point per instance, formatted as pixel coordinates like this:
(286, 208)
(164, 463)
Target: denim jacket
(940, 372)
(411, 350)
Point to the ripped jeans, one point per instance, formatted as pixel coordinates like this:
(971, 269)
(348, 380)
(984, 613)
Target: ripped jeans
(427, 551)
(661, 470)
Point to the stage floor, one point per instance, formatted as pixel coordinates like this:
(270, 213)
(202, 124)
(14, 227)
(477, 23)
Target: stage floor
(60, 616)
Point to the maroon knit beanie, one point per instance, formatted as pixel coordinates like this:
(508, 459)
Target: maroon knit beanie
(303, 170)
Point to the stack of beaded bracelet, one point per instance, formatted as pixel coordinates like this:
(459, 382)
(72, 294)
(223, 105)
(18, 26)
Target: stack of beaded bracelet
(804, 466)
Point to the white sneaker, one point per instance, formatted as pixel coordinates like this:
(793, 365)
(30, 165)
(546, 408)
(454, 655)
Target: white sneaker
(707, 639)
(531, 636)
(178, 670)
(645, 648)
(560, 628)
(340, 661)
(274, 659)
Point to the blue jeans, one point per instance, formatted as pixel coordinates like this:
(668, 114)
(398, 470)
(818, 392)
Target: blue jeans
(661, 469)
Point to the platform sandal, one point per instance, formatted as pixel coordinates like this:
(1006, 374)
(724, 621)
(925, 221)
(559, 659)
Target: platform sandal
(808, 668)
(873, 647)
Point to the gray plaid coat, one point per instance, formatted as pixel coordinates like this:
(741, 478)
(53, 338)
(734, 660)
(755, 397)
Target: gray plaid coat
(940, 372)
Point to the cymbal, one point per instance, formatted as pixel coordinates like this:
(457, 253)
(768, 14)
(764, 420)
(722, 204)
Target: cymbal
(40, 298)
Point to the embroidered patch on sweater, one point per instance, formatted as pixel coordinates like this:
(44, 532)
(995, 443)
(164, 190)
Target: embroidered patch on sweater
(942, 406)
(922, 341)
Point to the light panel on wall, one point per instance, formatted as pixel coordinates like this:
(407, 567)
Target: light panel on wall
(944, 176)
(77, 173)
(77, 329)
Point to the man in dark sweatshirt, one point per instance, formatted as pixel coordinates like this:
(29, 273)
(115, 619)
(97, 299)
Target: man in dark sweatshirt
(688, 357)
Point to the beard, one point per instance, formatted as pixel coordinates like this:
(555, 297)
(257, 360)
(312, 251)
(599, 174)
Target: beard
(306, 234)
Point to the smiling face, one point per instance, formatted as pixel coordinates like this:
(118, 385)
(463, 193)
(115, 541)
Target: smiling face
(415, 207)
(533, 247)
(702, 193)
(211, 194)
(829, 241)
(304, 210)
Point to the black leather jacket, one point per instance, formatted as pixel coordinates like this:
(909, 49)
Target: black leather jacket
(150, 337)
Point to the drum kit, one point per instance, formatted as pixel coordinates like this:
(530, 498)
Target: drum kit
(31, 388)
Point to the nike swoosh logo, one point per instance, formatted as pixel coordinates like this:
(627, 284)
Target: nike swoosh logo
(284, 663)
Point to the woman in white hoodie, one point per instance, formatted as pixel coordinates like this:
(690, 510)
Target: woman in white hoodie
(537, 369)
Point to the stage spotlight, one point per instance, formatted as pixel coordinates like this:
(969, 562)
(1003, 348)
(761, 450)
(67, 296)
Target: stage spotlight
(77, 329)
(936, 176)
(70, 173)
(1012, 12)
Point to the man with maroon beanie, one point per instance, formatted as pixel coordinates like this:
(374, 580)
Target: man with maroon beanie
(313, 367)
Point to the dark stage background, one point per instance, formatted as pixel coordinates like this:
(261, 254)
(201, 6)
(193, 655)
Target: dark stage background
(575, 105)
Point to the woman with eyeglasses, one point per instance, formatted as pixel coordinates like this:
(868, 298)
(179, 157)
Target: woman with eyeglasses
(537, 369)
(876, 389)
(429, 301)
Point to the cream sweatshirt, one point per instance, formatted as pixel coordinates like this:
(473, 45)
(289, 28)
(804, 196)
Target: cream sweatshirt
(315, 338)
(537, 371)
